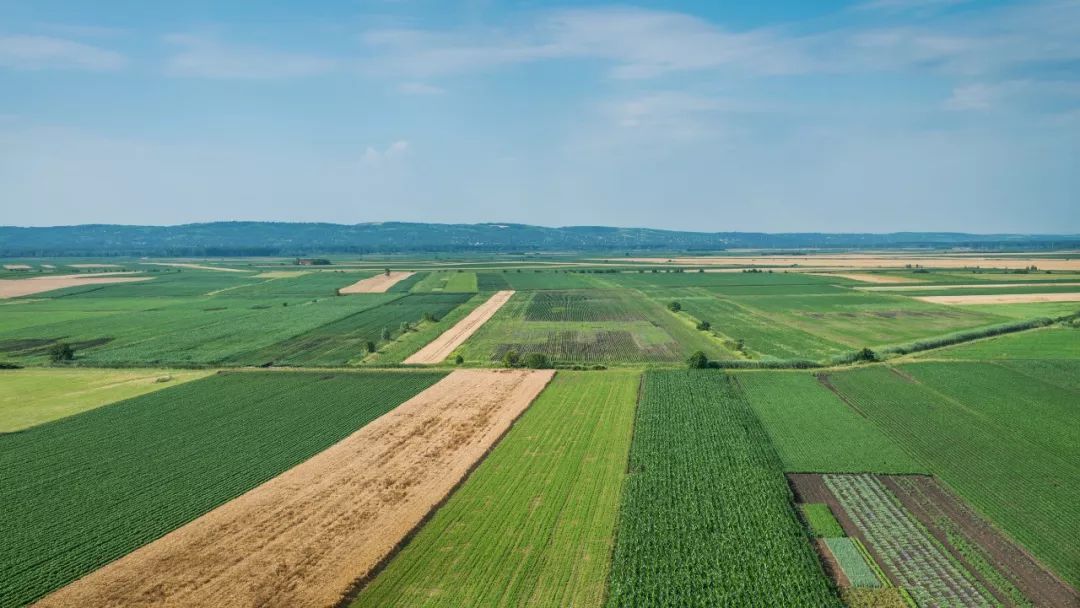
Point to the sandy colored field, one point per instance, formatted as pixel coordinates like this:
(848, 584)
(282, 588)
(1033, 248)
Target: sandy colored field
(865, 261)
(440, 348)
(281, 274)
(865, 277)
(14, 288)
(964, 286)
(1003, 298)
(307, 536)
(17, 267)
(194, 266)
(93, 265)
(376, 284)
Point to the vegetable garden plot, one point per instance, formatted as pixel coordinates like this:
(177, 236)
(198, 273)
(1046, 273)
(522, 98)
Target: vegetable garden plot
(852, 562)
(571, 306)
(1005, 441)
(80, 492)
(706, 516)
(906, 548)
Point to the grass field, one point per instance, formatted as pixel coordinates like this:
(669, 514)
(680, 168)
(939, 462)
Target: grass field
(706, 517)
(534, 524)
(1003, 439)
(30, 397)
(1048, 343)
(83, 491)
(814, 431)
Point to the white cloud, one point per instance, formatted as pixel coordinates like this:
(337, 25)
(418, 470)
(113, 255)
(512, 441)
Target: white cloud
(373, 157)
(203, 57)
(44, 52)
(419, 88)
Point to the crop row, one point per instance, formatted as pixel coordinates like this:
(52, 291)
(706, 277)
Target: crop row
(83, 491)
(706, 516)
(907, 549)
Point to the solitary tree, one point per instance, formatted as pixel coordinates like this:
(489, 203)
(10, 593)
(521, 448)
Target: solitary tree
(511, 358)
(536, 361)
(385, 335)
(698, 360)
(61, 352)
(459, 360)
(704, 325)
(674, 307)
(370, 346)
(387, 272)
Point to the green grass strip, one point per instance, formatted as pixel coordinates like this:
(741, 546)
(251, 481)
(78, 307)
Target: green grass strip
(821, 521)
(852, 562)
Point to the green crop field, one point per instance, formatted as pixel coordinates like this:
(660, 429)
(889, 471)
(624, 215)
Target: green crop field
(612, 326)
(446, 280)
(852, 562)
(1049, 343)
(29, 397)
(821, 520)
(706, 517)
(814, 431)
(1005, 440)
(82, 491)
(534, 525)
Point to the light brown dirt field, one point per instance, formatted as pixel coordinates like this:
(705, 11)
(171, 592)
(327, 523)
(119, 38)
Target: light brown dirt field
(281, 274)
(865, 277)
(440, 348)
(376, 284)
(1004, 298)
(307, 536)
(16, 267)
(195, 266)
(965, 286)
(865, 261)
(14, 288)
(93, 265)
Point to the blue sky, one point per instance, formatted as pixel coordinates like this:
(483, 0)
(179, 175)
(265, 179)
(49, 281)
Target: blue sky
(876, 115)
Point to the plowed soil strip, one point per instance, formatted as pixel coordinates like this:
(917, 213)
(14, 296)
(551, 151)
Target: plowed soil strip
(304, 537)
(15, 288)
(440, 348)
(865, 277)
(1010, 298)
(376, 284)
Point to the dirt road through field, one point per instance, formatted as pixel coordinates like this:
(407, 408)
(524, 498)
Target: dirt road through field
(376, 284)
(440, 348)
(305, 537)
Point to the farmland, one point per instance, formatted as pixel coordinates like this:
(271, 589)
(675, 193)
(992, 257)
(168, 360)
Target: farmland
(706, 517)
(236, 432)
(95, 486)
(533, 525)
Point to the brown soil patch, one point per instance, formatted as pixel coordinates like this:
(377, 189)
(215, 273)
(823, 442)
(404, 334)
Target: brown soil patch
(1003, 298)
(14, 288)
(194, 266)
(932, 503)
(440, 348)
(829, 563)
(865, 277)
(376, 284)
(966, 286)
(305, 537)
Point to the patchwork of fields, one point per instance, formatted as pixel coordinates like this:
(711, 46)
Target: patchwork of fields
(848, 444)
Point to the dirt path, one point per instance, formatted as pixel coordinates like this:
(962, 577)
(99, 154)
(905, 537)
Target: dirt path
(305, 537)
(440, 348)
(376, 284)
(1003, 298)
(193, 266)
(14, 288)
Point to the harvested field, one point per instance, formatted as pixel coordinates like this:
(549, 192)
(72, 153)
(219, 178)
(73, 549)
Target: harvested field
(93, 265)
(376, 284)
(865, 261)
(1004, 298)
(306, 537)
(17, 267)
(440, 348)
(865, 277)
(965, 286)
(193, 266)
(281, 274)
(15, 288)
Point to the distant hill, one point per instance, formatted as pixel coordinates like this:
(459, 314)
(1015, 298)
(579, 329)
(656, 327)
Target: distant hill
(280, 238)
